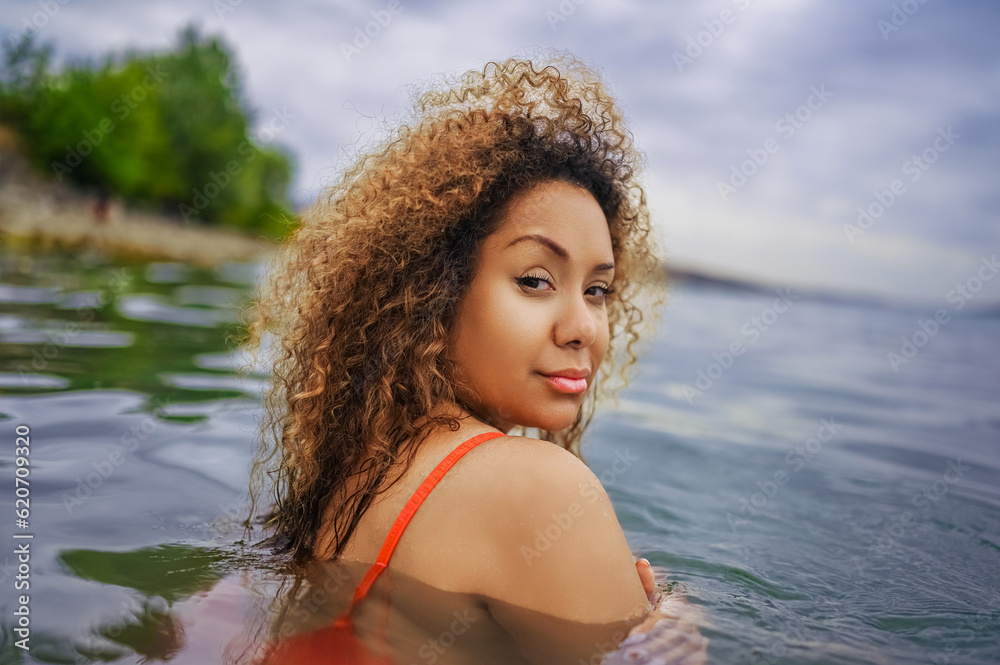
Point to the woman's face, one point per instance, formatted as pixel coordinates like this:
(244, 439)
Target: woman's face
(536, 308)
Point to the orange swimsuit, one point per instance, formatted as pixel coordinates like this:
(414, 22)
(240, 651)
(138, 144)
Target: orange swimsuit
(337, 642)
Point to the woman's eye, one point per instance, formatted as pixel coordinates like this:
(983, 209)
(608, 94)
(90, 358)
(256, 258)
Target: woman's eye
(605, 290)
(533, 282)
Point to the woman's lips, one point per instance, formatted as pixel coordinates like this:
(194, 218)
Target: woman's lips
(567, 385)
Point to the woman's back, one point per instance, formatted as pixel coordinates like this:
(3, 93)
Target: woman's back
(450, 574)
(443, 533)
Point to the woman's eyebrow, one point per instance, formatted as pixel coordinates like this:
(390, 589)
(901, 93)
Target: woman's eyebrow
(558, 250)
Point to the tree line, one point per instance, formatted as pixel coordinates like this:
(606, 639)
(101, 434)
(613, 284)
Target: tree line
(168, 130)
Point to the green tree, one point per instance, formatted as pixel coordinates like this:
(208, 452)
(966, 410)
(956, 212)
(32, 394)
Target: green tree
(169, 129)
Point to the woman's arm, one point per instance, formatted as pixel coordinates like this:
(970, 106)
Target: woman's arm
(561, 556)
(556, 572)
(557, 545)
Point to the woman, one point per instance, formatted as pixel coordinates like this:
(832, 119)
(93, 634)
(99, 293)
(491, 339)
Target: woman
(479, 272)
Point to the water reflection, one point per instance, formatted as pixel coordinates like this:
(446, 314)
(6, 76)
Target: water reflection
(149, 626)
(192, 611)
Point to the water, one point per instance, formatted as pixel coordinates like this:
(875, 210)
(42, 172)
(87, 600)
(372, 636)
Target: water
(818, 505)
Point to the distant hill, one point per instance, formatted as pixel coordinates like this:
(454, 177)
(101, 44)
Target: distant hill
(708, 279)
(696, 277)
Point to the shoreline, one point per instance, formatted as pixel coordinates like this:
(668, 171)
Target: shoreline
(130, 236)
(39, 213)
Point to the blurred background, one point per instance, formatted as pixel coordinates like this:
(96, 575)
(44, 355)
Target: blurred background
(817, 420)
(707, 85)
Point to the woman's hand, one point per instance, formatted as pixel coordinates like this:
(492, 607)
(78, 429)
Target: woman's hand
(669, 635)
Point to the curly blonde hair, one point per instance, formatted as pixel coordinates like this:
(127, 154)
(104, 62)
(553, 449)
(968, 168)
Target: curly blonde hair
(361, 298)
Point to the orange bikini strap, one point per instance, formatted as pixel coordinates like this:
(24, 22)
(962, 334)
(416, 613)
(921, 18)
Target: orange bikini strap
(409, 510)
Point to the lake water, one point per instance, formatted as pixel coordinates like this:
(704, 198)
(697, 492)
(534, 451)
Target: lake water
(819, 499)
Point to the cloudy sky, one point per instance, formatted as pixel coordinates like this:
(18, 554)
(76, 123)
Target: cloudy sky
(767, 124)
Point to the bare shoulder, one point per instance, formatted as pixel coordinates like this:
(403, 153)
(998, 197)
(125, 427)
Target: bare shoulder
(521, 472)
(554, 540)
(526, 455)
(514, 471)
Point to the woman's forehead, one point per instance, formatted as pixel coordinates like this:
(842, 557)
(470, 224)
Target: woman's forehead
(560, 218)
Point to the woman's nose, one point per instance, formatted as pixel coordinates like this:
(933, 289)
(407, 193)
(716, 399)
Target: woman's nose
(577, 323)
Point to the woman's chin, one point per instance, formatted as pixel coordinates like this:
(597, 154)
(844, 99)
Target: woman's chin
(553, 421)
(547, 416)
